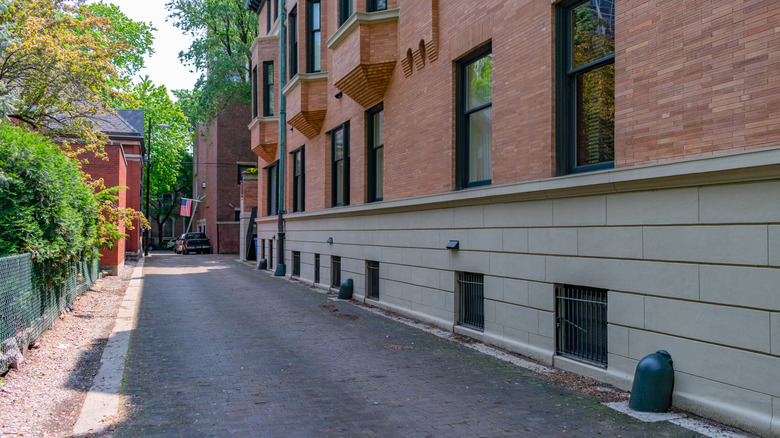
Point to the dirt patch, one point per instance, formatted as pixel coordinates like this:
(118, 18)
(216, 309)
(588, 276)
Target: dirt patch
(43, 398)
(585, 385)
(328, 307)
(360, 326)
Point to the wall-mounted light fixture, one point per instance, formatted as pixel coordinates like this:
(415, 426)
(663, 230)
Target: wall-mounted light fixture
(339, 94)
(453, 244)
(203, 185)
(330, 240)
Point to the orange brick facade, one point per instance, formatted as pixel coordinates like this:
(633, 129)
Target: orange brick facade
(692, 79)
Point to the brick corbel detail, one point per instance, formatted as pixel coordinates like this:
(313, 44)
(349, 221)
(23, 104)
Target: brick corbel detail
(309, 123)
(267, 151)
(366, 84)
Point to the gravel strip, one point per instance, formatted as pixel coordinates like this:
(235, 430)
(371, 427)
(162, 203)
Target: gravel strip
(44, 397)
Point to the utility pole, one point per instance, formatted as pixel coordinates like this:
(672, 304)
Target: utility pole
(280, 267)
(148, 162)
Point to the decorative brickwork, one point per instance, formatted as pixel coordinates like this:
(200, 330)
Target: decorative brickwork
(366, 84)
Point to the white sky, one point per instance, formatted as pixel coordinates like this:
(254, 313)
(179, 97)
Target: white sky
(163, 67)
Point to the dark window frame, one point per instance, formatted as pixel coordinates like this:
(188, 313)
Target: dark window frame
(296, 264)
(373, 6)
(310, 33)
(268, 13)
(372, 279)
(316, 268)
(462, 135)
(255, 97)
(581, 321)
(335, 274)
(299, 180)
(345, 11)
(334, 165)
(566, 146)
(276, 9)
(272, 188)
(268, 89)
(293, 41)
(471, 300)
(371, 159)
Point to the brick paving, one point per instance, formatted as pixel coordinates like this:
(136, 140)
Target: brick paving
(222, 349)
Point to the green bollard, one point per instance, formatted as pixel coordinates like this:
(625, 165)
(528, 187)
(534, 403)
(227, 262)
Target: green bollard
(345, 292)
(263, 264)
(653, 383)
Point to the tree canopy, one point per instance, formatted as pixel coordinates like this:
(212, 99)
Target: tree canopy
(62, 61)
(223, 33)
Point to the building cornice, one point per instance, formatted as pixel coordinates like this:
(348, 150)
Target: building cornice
(256, 120)
(358, 18)
(304, 77)
(263, 39)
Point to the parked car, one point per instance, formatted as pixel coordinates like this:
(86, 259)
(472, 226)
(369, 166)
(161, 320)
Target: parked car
(192, 242)
(171, 244)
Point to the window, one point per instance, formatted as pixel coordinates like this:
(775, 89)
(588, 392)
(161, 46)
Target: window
(471, 300)
(345, 10)
(167, 231)
(298, 180)
(276, 9)
(241, 169)
(268, 24)
(335, 271)
(376, 153)
(372, 280)
(314, 37)
(268, 88)
(316, 268)
(340, 165)
(296, 262)
(293, 42)
(255, 101)
(270, 253)
(272, 189)
(237, 215)
(377, 5)
(262, 249)
(585, 118)
(475, 118)
(581, 323)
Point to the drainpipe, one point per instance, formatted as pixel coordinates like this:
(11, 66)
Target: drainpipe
(280, 267)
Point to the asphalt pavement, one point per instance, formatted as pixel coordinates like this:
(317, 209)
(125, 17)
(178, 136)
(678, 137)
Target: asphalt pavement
(222, 349)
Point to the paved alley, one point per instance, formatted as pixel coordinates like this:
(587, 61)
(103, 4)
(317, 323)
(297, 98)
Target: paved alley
(222, 349)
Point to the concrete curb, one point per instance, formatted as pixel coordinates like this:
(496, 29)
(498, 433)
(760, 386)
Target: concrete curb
(103, 398)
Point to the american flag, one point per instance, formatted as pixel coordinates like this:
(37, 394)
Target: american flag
(186, 207)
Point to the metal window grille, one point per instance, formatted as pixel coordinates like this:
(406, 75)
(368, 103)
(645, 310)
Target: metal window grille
(335, 271)
(316, 268)
(581, 323)
(296, 259)
(372, 280)
(270, 254)
(471, 300)
(262, 248)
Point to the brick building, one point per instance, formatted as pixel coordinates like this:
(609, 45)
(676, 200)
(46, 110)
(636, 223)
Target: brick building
(220, 156)
(124, 151)
(581, 182)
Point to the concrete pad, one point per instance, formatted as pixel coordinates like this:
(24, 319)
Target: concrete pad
(103, 398)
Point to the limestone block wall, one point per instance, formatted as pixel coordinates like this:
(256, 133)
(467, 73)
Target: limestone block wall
(689, 253)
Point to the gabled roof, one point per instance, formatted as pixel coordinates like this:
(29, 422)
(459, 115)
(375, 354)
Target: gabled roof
(117, 125)
(134, 118)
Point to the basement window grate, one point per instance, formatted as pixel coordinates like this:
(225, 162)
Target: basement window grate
(471, 300)
(296, 262)
(316, 268)
(372, 280)
(581, 323)
(335, 271)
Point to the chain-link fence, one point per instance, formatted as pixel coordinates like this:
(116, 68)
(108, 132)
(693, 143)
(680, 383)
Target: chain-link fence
(29, 304)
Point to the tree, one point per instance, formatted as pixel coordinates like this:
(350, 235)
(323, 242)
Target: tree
(223, 33)
(58, 64)
(171, 160)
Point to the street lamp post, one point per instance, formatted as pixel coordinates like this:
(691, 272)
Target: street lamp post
(148, 165)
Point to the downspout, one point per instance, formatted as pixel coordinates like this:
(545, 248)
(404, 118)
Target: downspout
(280, 267)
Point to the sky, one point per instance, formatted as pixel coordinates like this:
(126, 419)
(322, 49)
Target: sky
(163, 67)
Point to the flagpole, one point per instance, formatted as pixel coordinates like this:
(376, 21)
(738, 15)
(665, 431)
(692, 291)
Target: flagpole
(194, 209)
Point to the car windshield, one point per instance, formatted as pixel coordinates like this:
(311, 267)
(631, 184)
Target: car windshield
(196, 236)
